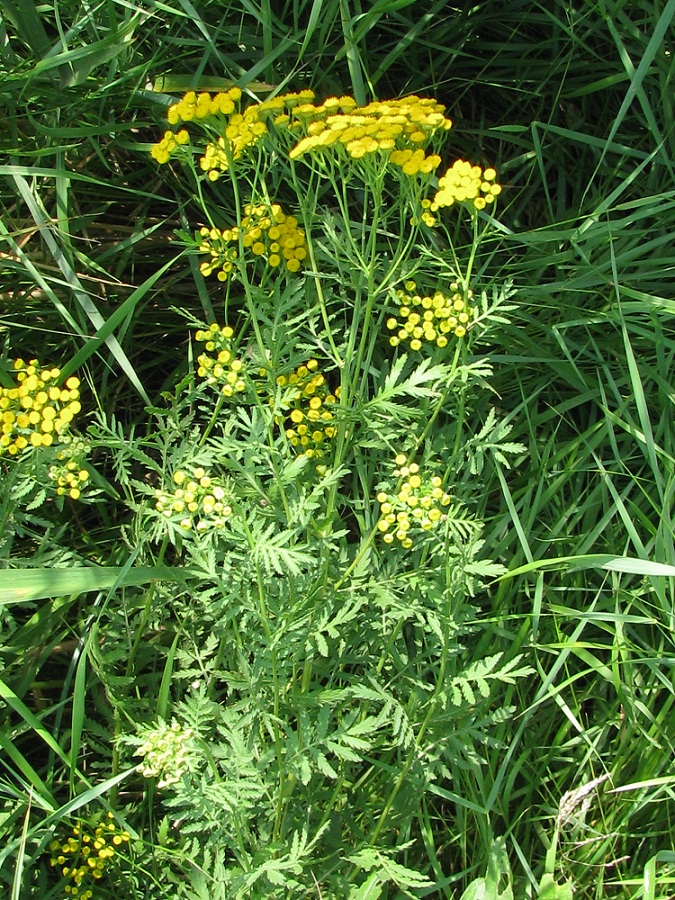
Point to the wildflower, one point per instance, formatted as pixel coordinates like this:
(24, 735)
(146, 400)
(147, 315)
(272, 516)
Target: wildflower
(401, 127)
(243, 131)
(223, 368)
(429, 319)
(202, 106)
(163, 149)
(398, 129)
(464, 183)
(269, 234)
(426, 217)
(413, 162)
(311, 422)
(193, 107)
(37, 412)
(238, 130)
(84, 857)
(292, 99)
(416, 506)
(198, 502)
(70, 476)
(165, 751)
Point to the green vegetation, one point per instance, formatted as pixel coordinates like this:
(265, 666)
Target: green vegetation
(336, 482)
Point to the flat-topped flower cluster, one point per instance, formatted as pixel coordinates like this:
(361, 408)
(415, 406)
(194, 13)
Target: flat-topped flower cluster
(340, 141)
(463, 183)
(223, 369)
(400, 129)
(165, 752)
(198, 501)
(68, 473)
(402, 135)
(83, 857)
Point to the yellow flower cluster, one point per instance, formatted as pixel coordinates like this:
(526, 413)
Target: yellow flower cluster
(463, 183)
(202, 106)
(399, 128)
(238, 130)
(223, 369)
(83, 858)
(243, 132)
(190, 108)
(165, 753)
(70, 477)
(266, 231)
(244, 129)
(163, 149)
(37, 411)
(418, 505)
(198, 501)
(311, 420)
(430, 319)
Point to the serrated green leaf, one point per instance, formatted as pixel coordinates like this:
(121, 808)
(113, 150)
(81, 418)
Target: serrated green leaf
(371, 889)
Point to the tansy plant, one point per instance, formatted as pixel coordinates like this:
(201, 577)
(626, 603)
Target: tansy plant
(310, 474)
(323, 211)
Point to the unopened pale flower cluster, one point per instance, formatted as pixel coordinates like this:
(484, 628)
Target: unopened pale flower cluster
(417, 506)
(68, 473)
(198, 501)
(166, 753)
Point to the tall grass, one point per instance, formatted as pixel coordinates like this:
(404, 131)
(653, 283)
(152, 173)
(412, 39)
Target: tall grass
(573, 104)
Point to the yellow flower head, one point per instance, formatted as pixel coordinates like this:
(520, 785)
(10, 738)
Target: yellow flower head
(429, 319)
(266, 231)
(198, 502)
(311, 420)
(464, 183)
(219, 365)
(396, 130)
(76, 862)
(37, 412)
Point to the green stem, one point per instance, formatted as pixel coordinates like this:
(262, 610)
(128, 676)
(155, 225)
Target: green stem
(118, 707)
(269, 635)
(414, 753)
(212, 422)
(308, 209)
(251, 306)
